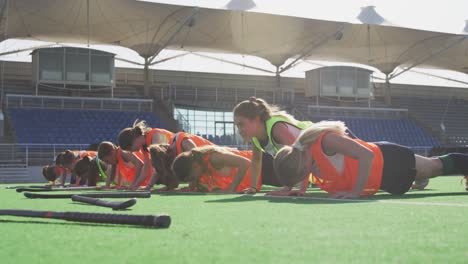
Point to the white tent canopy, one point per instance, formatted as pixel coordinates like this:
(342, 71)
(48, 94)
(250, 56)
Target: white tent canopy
(149, 28)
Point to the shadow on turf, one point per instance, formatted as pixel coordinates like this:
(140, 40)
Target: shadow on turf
(415, 195)
(318, 197)
(263, 191)
(287, 199)
(74, 224)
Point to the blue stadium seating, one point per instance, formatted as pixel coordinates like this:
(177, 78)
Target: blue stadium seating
(401, 131)
(53, 126)
(452, 112)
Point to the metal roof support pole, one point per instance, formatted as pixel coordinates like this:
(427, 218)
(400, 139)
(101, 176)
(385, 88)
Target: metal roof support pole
(232, 62)
(173, 35)
(169, 58)
(337, 35)
(387, 93)
(277, 89)
(432, 55)
(146, 84)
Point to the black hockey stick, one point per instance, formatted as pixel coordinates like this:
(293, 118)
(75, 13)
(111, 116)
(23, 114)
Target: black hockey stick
(93, 195)
(156, 221)
(103, 203)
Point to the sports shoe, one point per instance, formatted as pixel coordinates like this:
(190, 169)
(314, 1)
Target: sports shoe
(420, 184)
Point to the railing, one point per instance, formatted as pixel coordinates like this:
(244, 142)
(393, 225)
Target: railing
(207, 95)
(34, 154)
(356, 111)
(358, 108)
(43, 154)
(82, 103)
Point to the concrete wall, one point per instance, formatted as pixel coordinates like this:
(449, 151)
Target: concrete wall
(35, 174)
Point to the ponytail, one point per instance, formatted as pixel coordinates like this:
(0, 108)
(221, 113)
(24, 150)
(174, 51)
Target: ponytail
(140, 128)
(310, 134)
(129, 134)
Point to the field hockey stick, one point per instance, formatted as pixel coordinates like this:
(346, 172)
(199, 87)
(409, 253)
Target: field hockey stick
(93, 195)
(30, 186)
(156, 221)
(98, 202)
(90, 188)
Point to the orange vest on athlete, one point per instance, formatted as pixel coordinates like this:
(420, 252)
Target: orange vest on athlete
(149, 136)
(199, 141)
(332, 181)
(81, 154)
(213, 180)
(127, 169)
(86, 153)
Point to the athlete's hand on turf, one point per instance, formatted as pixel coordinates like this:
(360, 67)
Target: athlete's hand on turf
(162, 189)
(278, 193)
(185, 189)
(222, 191)
(249, 190)
(345, 195)
(296, 193)
(286, 193)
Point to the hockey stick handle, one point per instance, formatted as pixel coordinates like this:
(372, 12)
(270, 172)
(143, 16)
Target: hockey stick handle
(156, 221)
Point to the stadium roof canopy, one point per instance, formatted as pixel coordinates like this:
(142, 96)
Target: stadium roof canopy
(148, 28)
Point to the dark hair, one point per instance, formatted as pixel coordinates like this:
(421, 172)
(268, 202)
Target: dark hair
(94, 174)
(182, 165)
(125, 138)
(161, 160)
(49, 173)
(67, 157)
(87, 168)
(128, 135)
(59, 159)
(82, 167)
(105, 148)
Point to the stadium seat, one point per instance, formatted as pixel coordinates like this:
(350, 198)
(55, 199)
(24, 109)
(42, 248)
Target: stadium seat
(53, 126)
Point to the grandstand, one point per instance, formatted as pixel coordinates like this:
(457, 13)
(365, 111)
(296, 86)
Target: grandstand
(59, 119)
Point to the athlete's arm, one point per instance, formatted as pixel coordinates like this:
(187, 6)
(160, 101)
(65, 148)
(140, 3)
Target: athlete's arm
(334, 143)
(220, 160)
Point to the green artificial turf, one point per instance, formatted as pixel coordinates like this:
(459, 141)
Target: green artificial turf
(421, 227)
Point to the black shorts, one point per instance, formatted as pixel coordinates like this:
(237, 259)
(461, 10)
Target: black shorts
(268, 173)
(399, 170)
